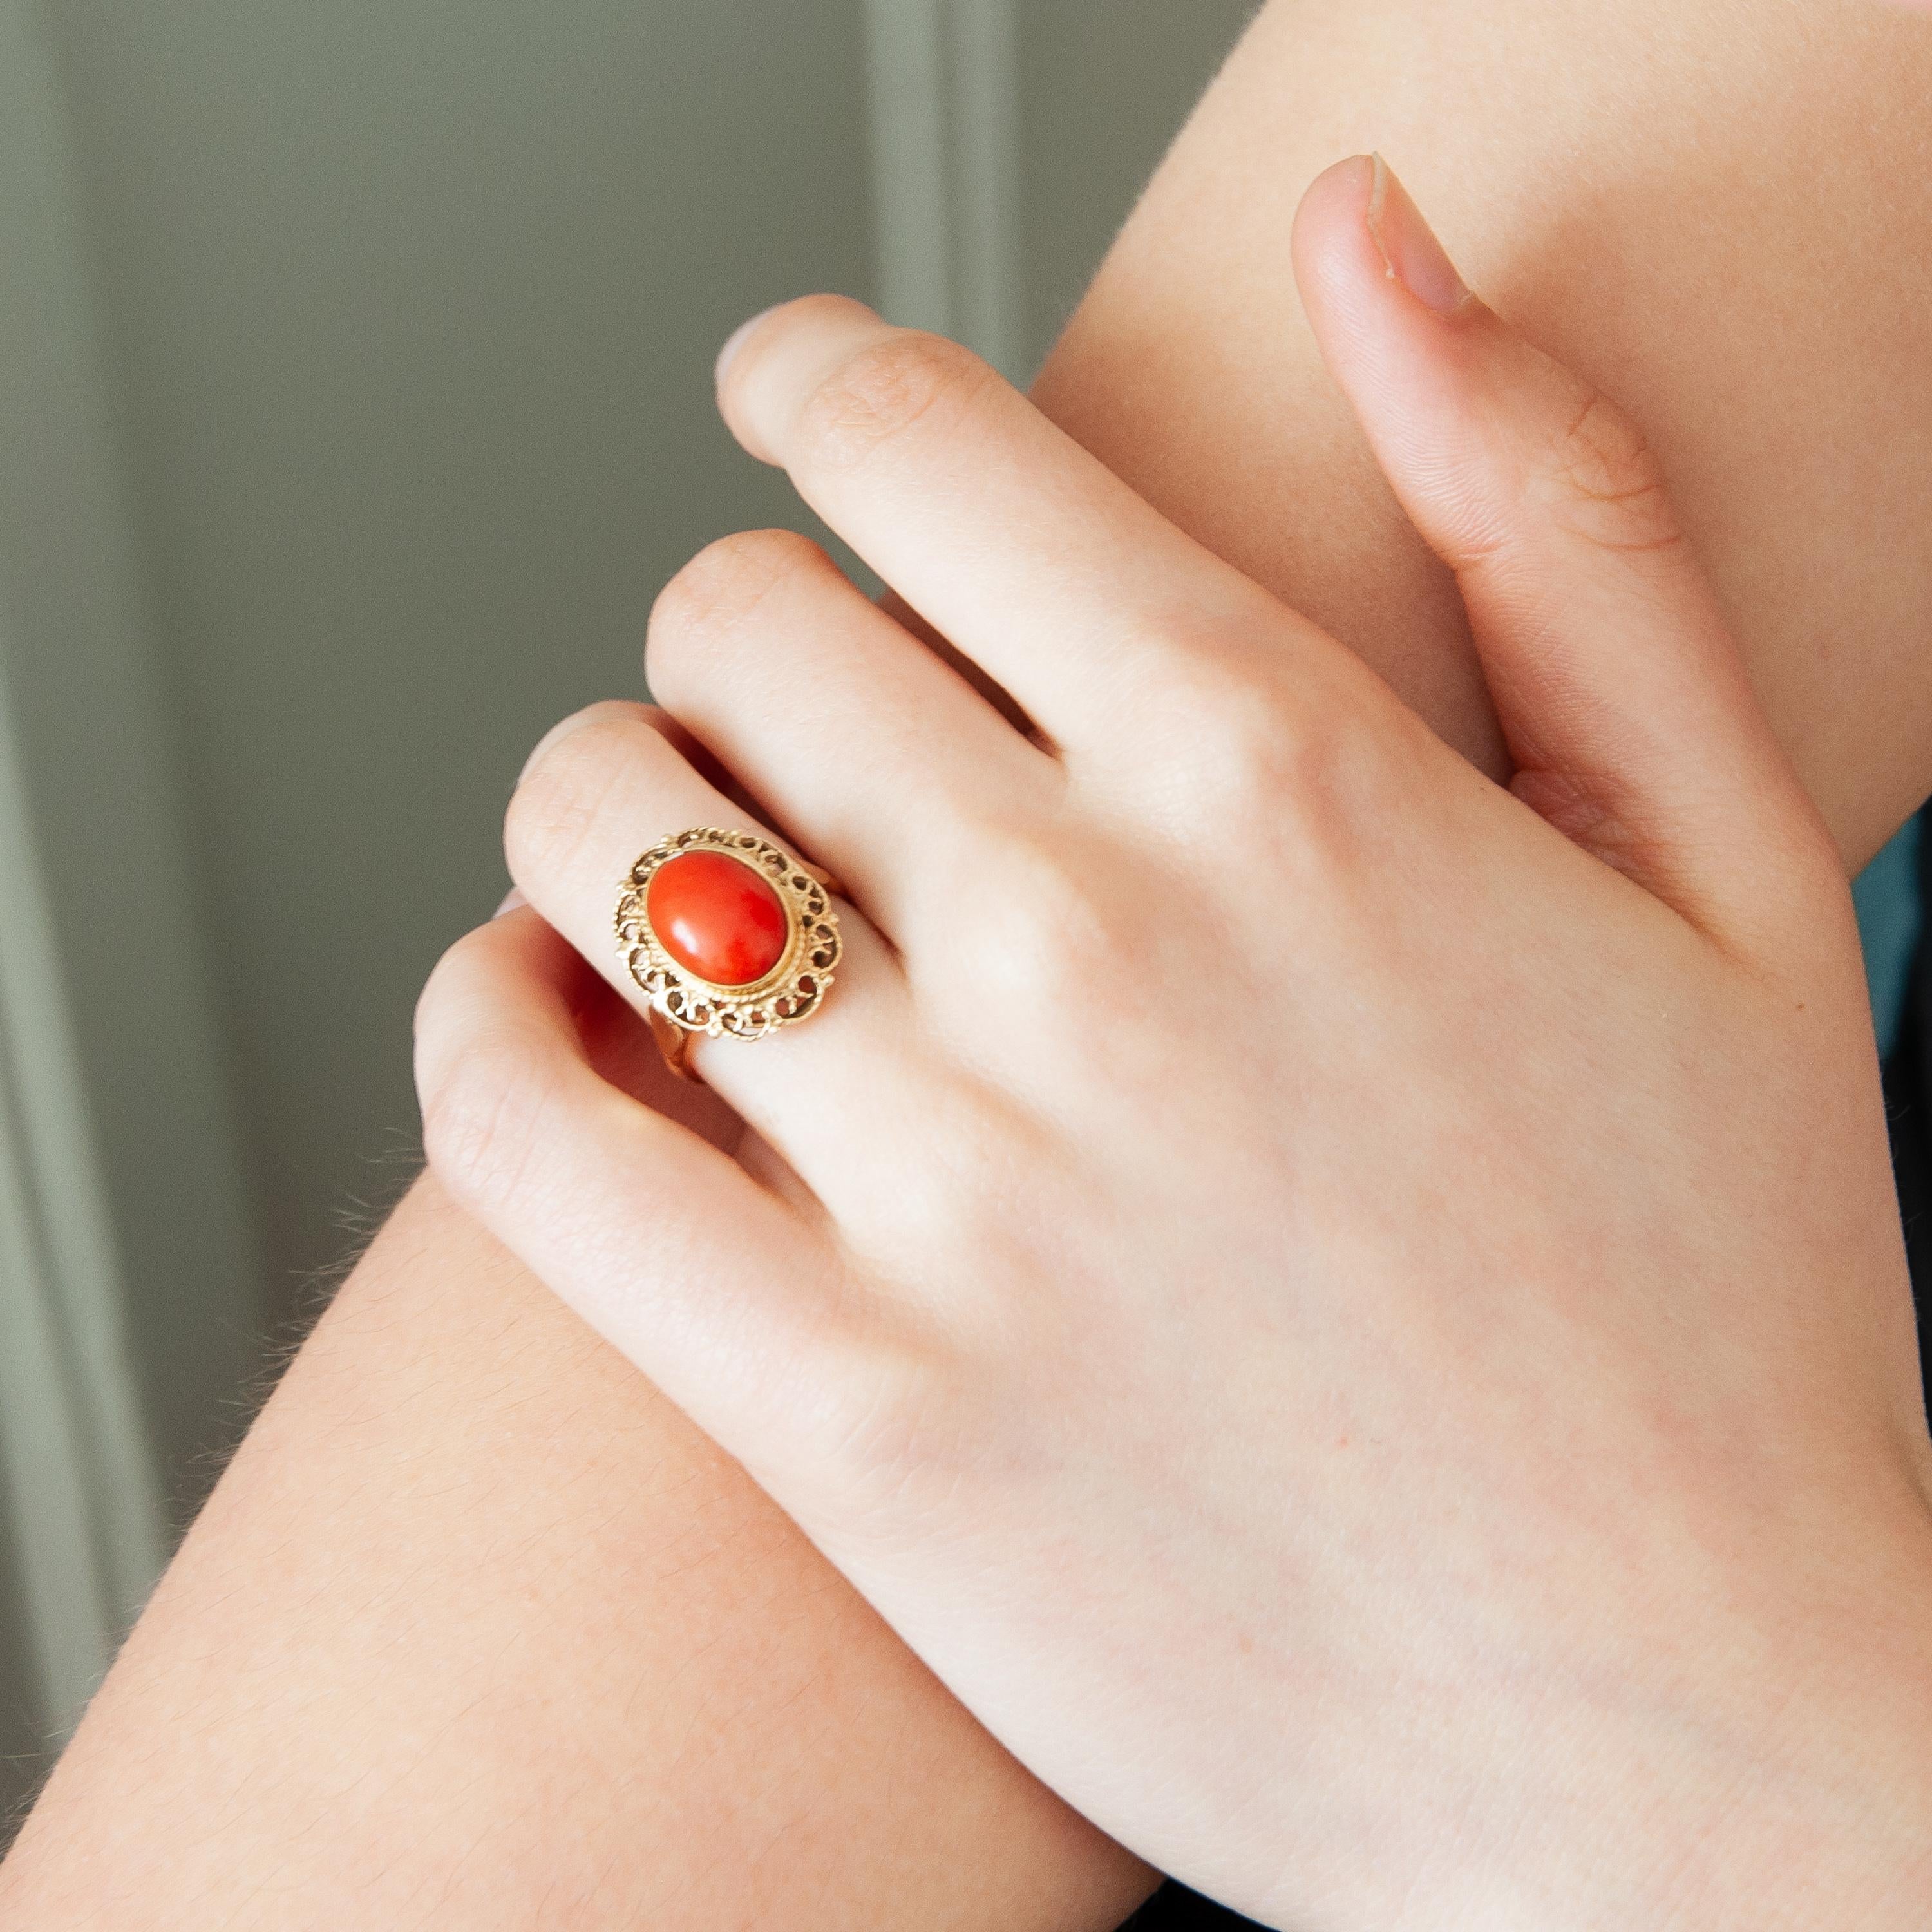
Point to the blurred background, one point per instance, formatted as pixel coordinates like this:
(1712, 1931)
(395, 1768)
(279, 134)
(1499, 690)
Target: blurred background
(355, 400)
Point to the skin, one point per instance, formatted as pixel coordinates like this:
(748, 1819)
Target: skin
(1242, 1008)
(404, 1461)
(1620, 194)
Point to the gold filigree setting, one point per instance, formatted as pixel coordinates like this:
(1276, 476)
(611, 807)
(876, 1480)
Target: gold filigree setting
(792, 991)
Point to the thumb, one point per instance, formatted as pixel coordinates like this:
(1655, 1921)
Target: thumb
(1621, 693)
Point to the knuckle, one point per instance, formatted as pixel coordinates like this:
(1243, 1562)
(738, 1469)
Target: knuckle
(562, 796)
(721, 590)
(1237, 717)
(1602, 480)
(908, 1425)
(442, 997)
(480, 1095)
(930, 1413)
(478, 1124)
(1279, 763)
(884, 389)
(892, 1435)
(1051, 939)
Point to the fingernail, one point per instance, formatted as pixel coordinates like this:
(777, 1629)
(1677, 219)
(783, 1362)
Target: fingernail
(1409, 246)
(735, 340)
(513, 898)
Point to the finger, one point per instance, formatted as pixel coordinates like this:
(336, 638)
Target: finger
(605, 787)
(1621, 691)
(581, 1180)
(844, 728)
(956, 660)
(1072, 592)
(622, 1053)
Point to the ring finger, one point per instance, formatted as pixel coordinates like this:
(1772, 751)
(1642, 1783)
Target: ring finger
(606, 785)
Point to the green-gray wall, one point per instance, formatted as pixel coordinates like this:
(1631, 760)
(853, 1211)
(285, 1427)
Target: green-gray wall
(403, 313)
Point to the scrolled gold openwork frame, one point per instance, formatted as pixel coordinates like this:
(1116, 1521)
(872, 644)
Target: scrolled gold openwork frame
(681, 1002)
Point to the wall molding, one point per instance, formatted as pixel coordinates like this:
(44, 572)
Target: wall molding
(84, 1503)
(126, 1270)
(944, 81)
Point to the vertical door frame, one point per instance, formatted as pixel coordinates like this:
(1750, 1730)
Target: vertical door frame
(83, 1499)
(945, 170)
(99, 958)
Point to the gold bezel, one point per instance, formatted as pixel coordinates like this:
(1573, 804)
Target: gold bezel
(791, 991)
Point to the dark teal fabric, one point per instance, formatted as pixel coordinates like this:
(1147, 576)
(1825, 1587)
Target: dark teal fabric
(1886, 894)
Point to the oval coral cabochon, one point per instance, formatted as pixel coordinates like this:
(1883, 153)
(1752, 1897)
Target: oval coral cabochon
(717, 918)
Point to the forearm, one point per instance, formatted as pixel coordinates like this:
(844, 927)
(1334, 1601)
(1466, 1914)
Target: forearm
(477, 1631)
(1719, 212)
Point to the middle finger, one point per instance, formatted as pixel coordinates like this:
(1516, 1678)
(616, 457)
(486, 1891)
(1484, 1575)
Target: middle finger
(1029, 555)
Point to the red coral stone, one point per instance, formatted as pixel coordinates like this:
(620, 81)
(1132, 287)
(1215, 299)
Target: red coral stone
(716, 917)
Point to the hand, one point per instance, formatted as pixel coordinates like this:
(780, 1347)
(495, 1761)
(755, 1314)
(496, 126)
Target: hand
(1356, 1317)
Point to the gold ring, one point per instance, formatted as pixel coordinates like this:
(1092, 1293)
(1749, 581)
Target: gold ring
(728, 934)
